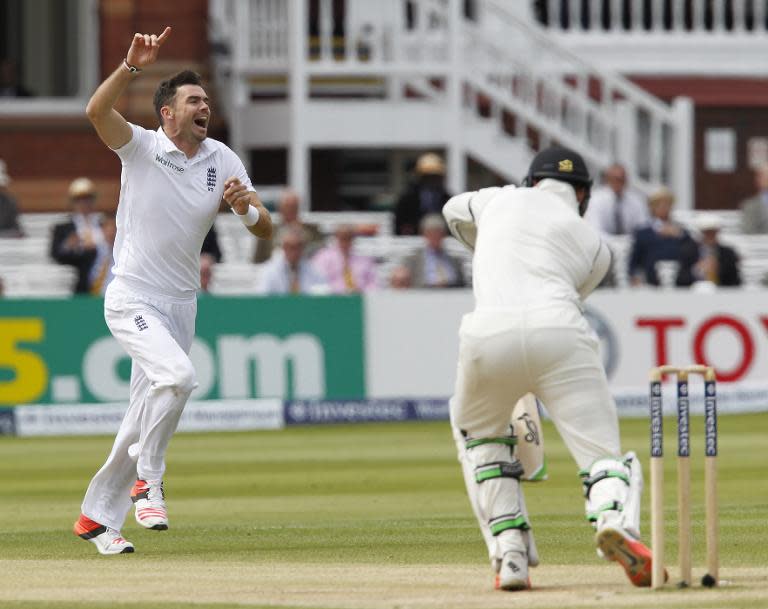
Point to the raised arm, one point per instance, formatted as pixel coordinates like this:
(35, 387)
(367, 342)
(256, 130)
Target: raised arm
(112, 128)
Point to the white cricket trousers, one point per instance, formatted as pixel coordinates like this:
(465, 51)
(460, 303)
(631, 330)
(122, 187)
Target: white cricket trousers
(552, 354)
(158, 335)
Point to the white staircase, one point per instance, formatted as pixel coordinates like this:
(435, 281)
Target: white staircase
(494, 86)
(489, 145)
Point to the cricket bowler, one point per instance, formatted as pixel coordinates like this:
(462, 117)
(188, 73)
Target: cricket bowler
(172, 184)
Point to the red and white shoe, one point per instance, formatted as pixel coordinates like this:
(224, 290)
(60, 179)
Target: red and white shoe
(616, 544)
(149, 500)
(108, 541)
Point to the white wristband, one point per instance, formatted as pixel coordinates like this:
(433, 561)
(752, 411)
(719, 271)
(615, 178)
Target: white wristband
(250, 217)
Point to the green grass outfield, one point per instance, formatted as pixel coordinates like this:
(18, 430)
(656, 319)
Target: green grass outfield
(260, 514)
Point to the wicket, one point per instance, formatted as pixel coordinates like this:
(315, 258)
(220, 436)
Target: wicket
(683, 474)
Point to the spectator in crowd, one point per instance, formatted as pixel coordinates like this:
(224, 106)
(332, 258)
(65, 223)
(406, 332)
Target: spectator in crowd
(76, 241)
(754, 210)
(662, 239)
(100, 274)
(9, 210)
(344, 271)
(426, 195)
(431, 266)
(614, 208)
(708, 260)
(288, 206)
(400, 278)
(289, 270)
(9, 80)
(207, 262)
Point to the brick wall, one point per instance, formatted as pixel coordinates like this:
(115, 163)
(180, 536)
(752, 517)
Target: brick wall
(45, 154)
(732, 103)
(716, 190)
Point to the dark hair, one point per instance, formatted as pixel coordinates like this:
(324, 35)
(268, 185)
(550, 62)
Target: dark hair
(166, 90)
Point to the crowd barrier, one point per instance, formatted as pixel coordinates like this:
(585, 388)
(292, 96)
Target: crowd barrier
(263, 363)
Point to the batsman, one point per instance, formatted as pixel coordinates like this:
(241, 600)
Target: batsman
(535, 261)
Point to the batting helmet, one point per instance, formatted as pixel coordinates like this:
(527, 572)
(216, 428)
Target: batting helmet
(561, 164)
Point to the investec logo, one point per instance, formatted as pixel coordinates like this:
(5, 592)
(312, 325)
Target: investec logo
(168, 163)
(262, 365)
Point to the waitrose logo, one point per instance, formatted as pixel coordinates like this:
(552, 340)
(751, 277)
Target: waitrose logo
(168, 163)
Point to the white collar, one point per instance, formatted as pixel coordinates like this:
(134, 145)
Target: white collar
(168, 146)
(562, 189)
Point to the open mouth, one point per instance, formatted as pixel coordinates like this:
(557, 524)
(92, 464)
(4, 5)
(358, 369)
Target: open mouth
(202, 122)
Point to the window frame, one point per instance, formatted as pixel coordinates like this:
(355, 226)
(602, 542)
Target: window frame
(89, 54)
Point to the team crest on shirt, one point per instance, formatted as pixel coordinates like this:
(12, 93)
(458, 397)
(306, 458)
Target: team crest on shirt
(210, 180)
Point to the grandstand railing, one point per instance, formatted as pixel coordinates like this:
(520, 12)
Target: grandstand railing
(662, 37)
(438, 70)
(656, 16)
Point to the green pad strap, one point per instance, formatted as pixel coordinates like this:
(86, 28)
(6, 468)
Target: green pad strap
(613, 505)
(498, 469)
(511, 521)
(584, 473)
(508, 440)
(591, 481)
(488, 473)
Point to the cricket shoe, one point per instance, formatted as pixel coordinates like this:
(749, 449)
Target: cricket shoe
(513, 572)
(613, 543)
(107, 540)
(149, 500)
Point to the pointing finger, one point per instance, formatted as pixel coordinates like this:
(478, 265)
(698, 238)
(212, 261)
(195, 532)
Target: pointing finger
(164, 35)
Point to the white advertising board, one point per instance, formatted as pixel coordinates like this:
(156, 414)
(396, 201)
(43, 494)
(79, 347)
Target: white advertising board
(92, 419)
(412, 341)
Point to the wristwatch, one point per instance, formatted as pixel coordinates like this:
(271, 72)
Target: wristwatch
(130, 68)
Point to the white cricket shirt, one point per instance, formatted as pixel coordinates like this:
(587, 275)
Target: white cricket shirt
(168, 203)
(532, 249)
